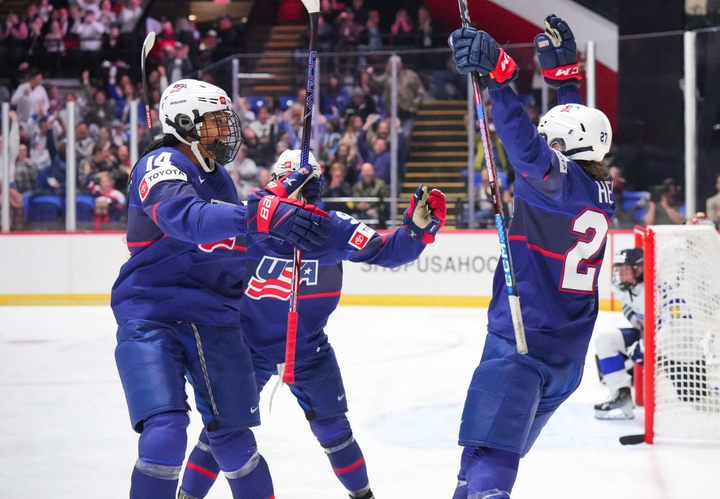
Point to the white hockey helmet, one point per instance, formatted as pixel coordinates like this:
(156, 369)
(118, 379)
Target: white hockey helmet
(289, 162)
(185, 108)
(584, 133)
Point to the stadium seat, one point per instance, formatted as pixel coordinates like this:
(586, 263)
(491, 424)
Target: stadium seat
(84, 207)
(286, 102)
(256, 103)
(45, 208)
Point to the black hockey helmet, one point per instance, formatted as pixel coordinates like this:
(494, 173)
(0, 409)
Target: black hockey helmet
(632, 258)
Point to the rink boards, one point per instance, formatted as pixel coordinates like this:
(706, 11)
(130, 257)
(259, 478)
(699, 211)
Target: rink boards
(80, 268)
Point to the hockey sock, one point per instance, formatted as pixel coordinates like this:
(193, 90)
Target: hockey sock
(201, 470)
(489, 469)
(161, 451)
(243, 466)
(346, 458)
(461, 490)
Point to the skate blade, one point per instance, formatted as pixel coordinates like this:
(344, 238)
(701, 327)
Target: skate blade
(616, 414)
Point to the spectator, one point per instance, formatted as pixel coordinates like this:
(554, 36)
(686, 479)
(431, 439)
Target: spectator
(622, 219)
(26, 173)
(13, 38)
(35, 40)
(207, 48)
(54, 39)
(123, 157)
(83, 143)
(361, 105)
(31, 98)
(98, 103)
(428, 30)
(262, 154)
(352, 130)
(369, 186)
(410, 92)
(712, 206)
(265, 125)
(280, 148)
(371, 37)
(17, 219)
(264, 177)
(109, 201)
(243, 171)
(336, 188)
(102, 161)
(129, 16)
(347, 156)
(402, 29)
(39, 154)
(360, 12)
(485, 214)
(45, 10)
(332, 135)
(107, 17)
(378, 156)
(227, 38)
(664, 205)
(326, 36)
(89, 5)
(348, 31)
(177, 63)
(335, 98)
(329, 11)
(90, 32)
(167, 37)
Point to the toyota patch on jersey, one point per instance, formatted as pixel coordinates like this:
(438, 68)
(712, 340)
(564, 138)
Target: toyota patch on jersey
(158, 175)
(361, 236)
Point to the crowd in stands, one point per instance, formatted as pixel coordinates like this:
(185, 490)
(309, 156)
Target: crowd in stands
(352, 133)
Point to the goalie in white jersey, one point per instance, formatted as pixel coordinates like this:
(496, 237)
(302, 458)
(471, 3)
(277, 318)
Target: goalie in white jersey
(614, 346)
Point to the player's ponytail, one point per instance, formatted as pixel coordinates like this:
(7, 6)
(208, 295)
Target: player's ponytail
(166, 140)
(594, 169)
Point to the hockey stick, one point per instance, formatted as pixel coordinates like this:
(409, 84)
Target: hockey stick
(517, 319)
(313, 8)
(146, 48)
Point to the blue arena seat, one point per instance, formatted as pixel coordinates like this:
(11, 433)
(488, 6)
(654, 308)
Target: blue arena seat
(45, 208)
(257, 102)
(286, 102)
(84, 207)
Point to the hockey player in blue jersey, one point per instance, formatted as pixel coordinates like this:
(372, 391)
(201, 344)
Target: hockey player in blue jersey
(318, 385)
(177, 299)
(613, 346)
(563, 204)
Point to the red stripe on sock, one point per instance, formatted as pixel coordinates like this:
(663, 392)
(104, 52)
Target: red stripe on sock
(201, 470)
(351, 467)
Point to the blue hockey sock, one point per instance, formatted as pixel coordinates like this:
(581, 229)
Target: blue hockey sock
(461, 490)
(245, 469)
(201, 470)
(488, 469)
(161, 450)
(346, 458)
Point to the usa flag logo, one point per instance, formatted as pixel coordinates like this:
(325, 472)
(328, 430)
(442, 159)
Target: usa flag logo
(273, 276)
(178, 87)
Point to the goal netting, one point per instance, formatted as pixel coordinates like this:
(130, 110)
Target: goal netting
(682, 343)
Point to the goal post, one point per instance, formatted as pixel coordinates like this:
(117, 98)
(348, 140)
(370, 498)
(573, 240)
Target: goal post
(682, 332)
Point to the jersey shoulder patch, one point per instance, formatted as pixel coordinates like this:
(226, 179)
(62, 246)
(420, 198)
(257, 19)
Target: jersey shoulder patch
(159, 168)
(361, 233)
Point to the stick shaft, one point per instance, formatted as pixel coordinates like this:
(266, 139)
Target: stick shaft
(518, 325)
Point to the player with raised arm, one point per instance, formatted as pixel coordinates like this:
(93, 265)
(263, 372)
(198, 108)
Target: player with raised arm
(177, 299)
(563, 204)
(318, 384)
(613, 346)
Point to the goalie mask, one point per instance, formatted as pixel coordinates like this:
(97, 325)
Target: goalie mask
(583, 134)
(628, 268)
(201, 114)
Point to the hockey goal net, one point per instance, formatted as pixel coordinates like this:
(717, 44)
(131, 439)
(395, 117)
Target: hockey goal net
(682, 332)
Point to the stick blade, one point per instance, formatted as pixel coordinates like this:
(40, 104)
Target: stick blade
(312, 6)
(632, 439)
(148, 43)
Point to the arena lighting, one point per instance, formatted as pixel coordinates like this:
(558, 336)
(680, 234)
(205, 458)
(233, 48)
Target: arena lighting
(192, 17)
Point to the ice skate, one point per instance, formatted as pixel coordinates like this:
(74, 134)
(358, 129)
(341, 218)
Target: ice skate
(622, 400)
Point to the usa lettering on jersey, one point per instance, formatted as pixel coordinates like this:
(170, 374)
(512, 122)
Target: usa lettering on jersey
(153, 177)
(273, 277)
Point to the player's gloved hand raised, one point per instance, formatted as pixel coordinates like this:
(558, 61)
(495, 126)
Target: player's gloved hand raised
(425, 215)
(475, 50)
(290, 185)
(302, 225)
(557, 53)
(312, 191)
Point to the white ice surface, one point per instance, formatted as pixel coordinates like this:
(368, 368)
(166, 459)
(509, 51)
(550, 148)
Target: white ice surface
(65, 433)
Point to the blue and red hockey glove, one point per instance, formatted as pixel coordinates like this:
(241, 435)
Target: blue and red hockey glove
(271, 213)
(557, 53)
(312, 190)
(475, 50)
(425, 215)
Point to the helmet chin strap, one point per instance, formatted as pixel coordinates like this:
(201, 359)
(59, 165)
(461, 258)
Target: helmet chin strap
(194, 146)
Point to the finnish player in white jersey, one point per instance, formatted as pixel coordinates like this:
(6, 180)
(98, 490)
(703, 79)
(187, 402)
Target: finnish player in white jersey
(614, 346)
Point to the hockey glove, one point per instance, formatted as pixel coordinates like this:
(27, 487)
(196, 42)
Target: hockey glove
(557, 53)
(636, 352)
(290, 185)
(425, 215)
(312, 191)
(475, 50)
(302, 225)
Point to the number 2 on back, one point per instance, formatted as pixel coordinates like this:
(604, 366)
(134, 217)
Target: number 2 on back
(581, 262)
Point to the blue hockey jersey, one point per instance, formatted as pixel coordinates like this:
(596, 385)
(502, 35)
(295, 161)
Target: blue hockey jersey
(557, 237)
(186, 237)
(269, 270)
